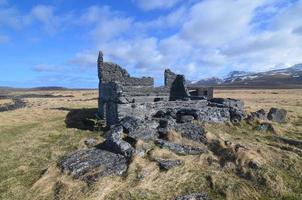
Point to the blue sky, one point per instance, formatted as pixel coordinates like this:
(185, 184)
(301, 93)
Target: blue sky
(55, 43)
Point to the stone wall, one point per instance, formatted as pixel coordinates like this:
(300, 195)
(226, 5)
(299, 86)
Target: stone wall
(110, 72)
(169, 78)
(201, 109)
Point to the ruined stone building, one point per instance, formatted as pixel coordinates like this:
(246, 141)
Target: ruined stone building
(121, 95)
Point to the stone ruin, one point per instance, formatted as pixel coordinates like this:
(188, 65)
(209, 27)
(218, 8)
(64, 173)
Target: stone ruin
(121, 95)
(140, 116)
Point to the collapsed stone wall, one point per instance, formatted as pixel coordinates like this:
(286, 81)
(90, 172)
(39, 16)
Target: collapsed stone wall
(215, 110)
(118, 90)
(110, 72)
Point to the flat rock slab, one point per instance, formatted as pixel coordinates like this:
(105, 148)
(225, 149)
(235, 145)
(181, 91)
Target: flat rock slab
(168, 164)
(180, 149)
(91, 164)
(194, 196)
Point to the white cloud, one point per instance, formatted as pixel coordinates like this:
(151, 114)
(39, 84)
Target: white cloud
(45, 15)
(156, 4)
(205, 39)
(84, 59)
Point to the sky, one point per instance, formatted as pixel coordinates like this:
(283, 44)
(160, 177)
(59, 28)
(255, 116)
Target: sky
(56, 43)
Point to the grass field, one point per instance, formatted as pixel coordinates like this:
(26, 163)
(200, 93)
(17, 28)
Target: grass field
(32, 139)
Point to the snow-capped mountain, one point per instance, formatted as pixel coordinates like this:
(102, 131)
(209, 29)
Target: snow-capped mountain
(291, 76)
(209, 81)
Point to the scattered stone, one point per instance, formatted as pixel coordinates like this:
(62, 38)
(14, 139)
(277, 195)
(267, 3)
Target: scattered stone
(168, 164)
(191, 131)
(180, 149)
(260, 114)
(165, 126)
(129, 124)
(17, 104)
(115, 133)
(159, 114)
(90, 142)
(114, 143)
(277, 115)
(194, 196)
(91, 164)
(236, 115)
(145, 131)
(265, 127)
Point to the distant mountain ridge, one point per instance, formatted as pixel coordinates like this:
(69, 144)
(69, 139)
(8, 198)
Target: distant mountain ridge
(280, 78)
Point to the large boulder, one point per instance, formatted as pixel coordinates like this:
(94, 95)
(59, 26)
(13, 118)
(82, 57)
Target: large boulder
(277, 115)
(194, 196)
(137, 129)
(91, 164)
(145, 131)
(180, 149)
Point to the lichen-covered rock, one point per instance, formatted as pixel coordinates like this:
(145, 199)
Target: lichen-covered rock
(137, 129)
(191, 131)
(115, 133)
(236, 115)
(129, 123)
(91, 164)
(118, 146)
(277, 115)
(180, 149)
(194, 196)
(168, 164)
(145, 131)
(114, 142)
(260, 114)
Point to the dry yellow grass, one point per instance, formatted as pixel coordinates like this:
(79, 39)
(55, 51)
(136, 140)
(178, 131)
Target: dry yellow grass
(35, 137)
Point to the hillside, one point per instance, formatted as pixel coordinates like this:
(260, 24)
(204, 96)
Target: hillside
(281, 78)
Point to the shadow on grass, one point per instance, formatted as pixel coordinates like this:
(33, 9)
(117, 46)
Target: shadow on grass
(83, 119)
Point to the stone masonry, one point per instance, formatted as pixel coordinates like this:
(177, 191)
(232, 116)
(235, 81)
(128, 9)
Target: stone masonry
(121, 95)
